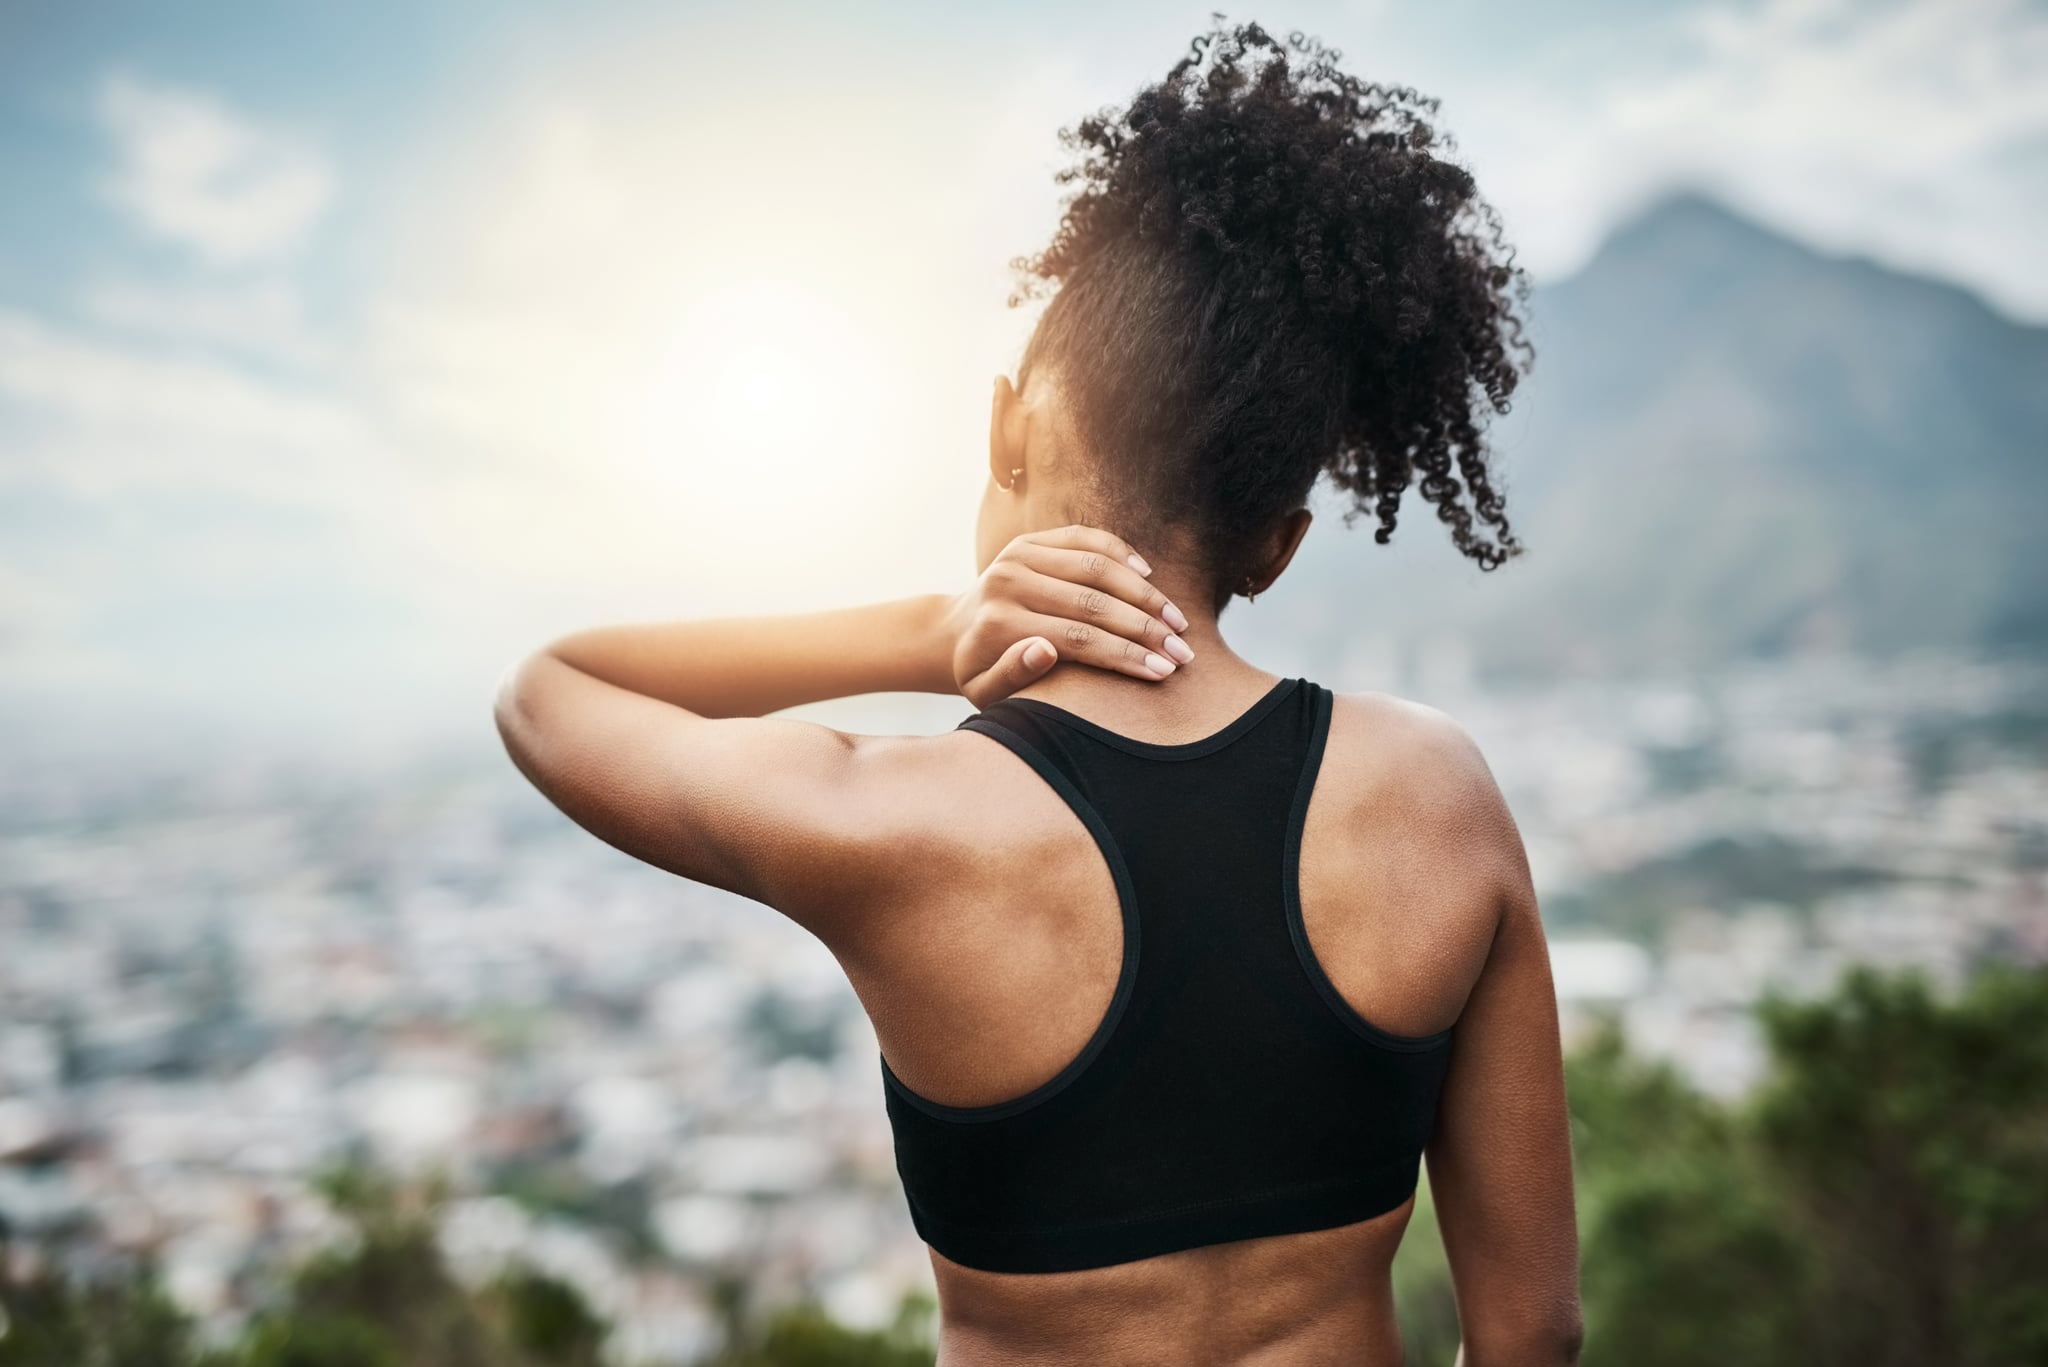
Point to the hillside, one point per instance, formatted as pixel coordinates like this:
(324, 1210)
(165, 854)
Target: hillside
(1732, 445)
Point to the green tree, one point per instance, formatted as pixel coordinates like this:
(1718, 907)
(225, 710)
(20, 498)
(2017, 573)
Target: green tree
(805, 1336)
(389, 1299)
(1683, 1262)
(547, 1319)
(1880, 1200)
(319, 1341)
(1685, 1265)
(1424, 1302)
(120, 1319)
(391, 1279)
(1912, 1137)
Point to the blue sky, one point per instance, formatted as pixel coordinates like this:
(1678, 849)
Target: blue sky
(347, 350)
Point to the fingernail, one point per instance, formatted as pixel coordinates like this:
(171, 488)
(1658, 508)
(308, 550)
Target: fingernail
(1037, 653)
(1175, 618)
(1179, 649)
(1137, 562)
(1157, 665)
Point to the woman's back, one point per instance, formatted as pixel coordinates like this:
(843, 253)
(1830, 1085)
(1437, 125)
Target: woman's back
(1216, 982)
(1148, 1106)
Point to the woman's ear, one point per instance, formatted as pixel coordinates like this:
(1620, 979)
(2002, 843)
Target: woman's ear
(1288, 540)
(1005, 433)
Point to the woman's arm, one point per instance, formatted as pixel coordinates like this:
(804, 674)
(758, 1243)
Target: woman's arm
(1069, 587)
(751, 666)
(1500, 1161)
(653, 739)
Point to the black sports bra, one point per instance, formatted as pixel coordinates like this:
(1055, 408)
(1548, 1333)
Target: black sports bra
(1229, 1091)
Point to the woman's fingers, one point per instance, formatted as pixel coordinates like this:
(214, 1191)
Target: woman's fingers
(1096, 645)
(1022, 663)
(1076, 537)
(1085, 590)
(1084, 577)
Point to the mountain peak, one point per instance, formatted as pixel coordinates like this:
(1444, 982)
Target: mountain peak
(1690, 221)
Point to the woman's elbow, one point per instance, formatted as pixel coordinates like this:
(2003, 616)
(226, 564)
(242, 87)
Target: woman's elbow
(518, 704)
(1567, 1339)
(1553, 1342)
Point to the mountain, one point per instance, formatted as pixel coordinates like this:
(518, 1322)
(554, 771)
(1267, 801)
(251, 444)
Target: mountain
(1732, 445)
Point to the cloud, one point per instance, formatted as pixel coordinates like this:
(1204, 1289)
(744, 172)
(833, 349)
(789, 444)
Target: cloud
(32, 613)
(167, 397)
(262, 320)
(1895, 130)
(197, 173)
(191, 533)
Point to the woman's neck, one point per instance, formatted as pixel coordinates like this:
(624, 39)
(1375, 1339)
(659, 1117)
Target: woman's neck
(1216, 685)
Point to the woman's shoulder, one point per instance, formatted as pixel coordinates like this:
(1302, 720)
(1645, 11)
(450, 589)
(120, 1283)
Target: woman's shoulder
(1415, 738)
(1399, 754)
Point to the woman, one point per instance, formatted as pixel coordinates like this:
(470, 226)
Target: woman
(1179, 968)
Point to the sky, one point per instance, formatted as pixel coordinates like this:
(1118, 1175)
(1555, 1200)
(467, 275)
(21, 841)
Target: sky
(347, 352)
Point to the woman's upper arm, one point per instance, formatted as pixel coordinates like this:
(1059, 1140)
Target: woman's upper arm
(783, 811)
(1500, 1160)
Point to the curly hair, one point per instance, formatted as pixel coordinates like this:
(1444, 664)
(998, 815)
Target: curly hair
(1264, 275)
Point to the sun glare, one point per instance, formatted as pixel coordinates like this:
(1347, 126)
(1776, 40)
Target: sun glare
(761, 377)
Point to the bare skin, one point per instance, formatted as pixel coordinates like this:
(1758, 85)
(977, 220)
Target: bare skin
(977, 922)
(1416, 901)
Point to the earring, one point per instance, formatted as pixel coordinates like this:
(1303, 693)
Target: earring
(1250, 597)
(1014, 472)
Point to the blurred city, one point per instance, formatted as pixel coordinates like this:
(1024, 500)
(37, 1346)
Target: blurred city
(347, 355)
(223, 982)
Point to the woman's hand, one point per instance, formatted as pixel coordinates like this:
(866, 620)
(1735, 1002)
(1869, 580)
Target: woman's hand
(1070, 592)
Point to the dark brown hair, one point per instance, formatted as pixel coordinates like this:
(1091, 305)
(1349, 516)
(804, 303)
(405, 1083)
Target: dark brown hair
(1267, 273)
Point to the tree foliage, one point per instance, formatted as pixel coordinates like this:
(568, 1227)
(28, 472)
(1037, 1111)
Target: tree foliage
(1881, 1199)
